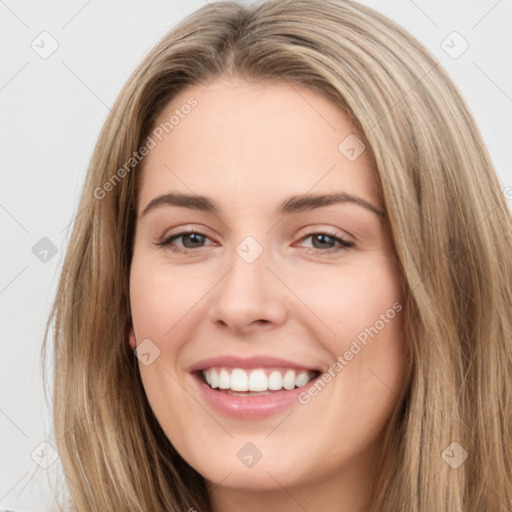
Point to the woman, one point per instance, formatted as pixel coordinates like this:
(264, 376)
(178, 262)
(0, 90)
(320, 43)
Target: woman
(271, 371)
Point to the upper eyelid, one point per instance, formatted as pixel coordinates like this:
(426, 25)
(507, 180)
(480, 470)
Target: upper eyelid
(310, 230)
(184, 232)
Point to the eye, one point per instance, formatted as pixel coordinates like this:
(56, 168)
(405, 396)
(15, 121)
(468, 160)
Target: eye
(324, 242)
(191, 240)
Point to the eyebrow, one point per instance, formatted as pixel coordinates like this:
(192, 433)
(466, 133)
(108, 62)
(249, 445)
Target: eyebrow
(293, 204)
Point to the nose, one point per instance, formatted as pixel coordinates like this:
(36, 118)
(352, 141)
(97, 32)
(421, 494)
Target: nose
(249, 296)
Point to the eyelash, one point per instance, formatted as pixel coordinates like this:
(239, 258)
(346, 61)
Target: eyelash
(166, 242)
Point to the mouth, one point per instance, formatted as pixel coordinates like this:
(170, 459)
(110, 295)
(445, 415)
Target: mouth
(255, 381)
(252, 388)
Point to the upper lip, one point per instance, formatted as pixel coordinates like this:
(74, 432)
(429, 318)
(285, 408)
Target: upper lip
(261, 361)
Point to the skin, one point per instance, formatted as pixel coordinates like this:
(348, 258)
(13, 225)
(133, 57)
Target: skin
(294, 301)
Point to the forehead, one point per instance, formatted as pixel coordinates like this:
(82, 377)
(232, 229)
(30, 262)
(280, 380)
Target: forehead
(250, 143)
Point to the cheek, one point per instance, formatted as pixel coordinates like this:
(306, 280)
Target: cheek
(160, 297)
(161, 305)
(360, 314)
(349, 301)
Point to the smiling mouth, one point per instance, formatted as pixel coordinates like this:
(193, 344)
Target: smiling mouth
(255, 382)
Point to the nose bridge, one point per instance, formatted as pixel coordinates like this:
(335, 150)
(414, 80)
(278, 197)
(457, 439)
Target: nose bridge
(249, 292)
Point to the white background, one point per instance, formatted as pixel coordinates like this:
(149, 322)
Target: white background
(52, 112)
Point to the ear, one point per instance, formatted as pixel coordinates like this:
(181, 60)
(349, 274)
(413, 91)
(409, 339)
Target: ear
(133, 343)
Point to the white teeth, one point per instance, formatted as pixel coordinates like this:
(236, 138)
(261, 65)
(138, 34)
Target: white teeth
(259, 379)
(301, 379)
(239, 380)
(289, 379)
(214, 377)
(224, 379)
(275, 381)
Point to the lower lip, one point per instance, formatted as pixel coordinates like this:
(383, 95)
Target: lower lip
(250, 407)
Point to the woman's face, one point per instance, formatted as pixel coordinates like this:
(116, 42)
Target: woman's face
(263, 292)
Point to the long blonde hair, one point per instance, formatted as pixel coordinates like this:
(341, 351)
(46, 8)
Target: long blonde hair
(451, 230)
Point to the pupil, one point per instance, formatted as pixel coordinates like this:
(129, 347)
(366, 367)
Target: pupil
(195, 236)
(322, 238)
